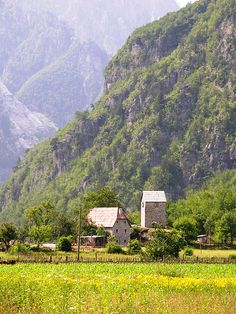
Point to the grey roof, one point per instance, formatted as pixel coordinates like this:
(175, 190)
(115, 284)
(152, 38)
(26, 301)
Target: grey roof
(105, 216)
(154, 196)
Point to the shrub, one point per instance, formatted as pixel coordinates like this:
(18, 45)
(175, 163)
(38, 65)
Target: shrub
(135, 233)
(64, 244)
(232, 256)
(19, 248)
(113, 247)
(134, 247)
(188, 252)
(164, 245)
(40, 249)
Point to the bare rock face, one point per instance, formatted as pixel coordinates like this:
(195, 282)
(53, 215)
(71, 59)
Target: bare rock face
(20, 129)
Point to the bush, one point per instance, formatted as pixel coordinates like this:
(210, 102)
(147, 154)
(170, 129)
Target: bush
(113, 247)
(64, 244)
(188, 252)
(164, 245)
(19, 248)
(40, 249)
(135, 233)
(134, 247)
(232, 256)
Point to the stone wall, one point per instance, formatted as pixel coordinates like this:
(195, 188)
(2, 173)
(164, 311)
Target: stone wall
(153, 212)
(121, 230)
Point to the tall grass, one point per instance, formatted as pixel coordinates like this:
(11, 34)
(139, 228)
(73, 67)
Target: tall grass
(117, 288)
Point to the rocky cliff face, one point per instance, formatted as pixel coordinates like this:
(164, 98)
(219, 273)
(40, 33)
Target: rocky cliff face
(20, 129)
(166, 120)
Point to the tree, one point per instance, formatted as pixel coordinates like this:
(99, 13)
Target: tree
(41, 221)
(134, 217)
(188, 228)
(164, 244)
(104, 197)
(41, 214)
(226, 228)
(7, 234)
(63, 226)
(40, 234)
(101, 231)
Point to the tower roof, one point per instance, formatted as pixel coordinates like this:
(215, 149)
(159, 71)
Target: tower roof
(154, 196)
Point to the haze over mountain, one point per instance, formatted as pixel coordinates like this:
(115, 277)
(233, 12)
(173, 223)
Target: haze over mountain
(20, 129)
(165, 121)
(108, 23)
(52, 53)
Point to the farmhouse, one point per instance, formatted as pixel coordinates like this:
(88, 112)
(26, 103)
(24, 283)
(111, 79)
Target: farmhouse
(153, 208)
(114, 221)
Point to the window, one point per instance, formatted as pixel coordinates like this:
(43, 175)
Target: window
(116, 230)
(117, 221)
(124, 241)
(125, 230)
(125, 221)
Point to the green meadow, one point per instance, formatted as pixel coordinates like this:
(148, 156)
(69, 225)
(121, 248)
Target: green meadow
(117, 288)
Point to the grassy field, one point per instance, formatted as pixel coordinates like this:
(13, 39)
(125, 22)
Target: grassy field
(56, 255)
(118, 288)
(214, 253)
(101, 254)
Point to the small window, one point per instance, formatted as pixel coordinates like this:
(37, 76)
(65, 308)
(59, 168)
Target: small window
(116, 230)
(125, 221)
(125, 230)
(117, 221)
(124, 241)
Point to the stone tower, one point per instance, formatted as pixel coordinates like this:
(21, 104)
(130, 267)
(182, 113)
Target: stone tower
(153, 208)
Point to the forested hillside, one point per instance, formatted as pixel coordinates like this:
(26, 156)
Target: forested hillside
(166, 120)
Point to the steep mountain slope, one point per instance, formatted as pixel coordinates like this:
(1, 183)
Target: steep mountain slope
(108, 23)
(13, 30)
(166, 120)
(47, 39)
(46, 67)
(20, 129)
(71, 83)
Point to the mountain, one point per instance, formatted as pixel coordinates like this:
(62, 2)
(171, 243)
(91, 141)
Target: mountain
(55, 53)
(46, 67)
(71, 83)
(107, 23)
(166, 120)
(20, 129)
(31, 42)
(51, 66)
